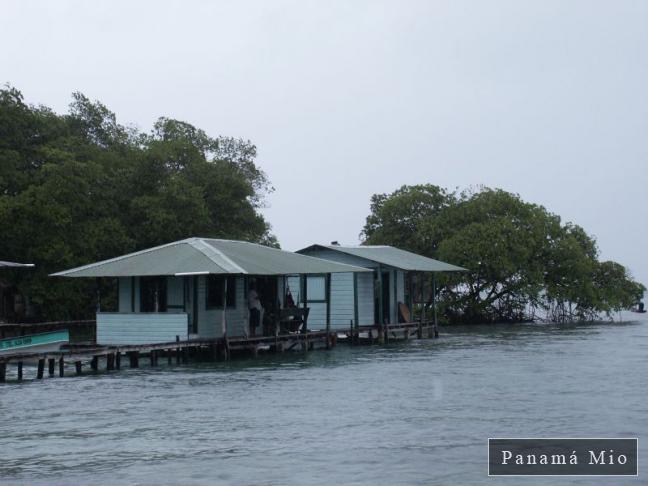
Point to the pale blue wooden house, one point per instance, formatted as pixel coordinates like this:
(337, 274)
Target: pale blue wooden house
(198, 288)
(375, 297)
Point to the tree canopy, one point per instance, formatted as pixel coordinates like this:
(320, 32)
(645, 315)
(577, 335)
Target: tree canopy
(79, 187)
(522, 261)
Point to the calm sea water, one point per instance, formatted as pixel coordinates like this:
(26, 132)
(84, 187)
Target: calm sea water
(411, 413)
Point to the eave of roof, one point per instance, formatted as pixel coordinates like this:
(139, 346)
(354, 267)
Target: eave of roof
(15, 265)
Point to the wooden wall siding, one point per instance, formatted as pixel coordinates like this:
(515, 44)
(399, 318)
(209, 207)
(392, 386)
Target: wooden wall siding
(209, 320)
(365, 286)
(140, 328)
(342, 305)
(317, 316)
(365, 299)
(124, 294)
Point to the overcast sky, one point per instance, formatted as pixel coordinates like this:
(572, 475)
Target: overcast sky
(351, 98)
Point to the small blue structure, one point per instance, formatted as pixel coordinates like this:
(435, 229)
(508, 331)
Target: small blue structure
(384, 296)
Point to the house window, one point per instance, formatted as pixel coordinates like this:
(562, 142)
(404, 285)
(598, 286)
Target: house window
(316, 288)
(153, 294)
(215, 289)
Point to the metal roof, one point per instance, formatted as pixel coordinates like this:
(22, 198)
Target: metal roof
(394, 257)
(204, 255)
(14, 265)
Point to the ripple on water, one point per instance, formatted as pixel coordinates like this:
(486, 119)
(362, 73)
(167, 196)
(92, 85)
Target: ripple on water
(409, 413)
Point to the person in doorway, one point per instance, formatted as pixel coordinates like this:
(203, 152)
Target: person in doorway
(254, 305)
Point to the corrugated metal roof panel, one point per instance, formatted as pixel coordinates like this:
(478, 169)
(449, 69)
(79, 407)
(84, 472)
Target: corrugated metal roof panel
(394, 257)
(203, 255)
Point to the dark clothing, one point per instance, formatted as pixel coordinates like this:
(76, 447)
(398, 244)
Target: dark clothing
(255, 318)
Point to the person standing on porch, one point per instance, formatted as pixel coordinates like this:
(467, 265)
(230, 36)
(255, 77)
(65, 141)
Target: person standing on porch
(254, 305)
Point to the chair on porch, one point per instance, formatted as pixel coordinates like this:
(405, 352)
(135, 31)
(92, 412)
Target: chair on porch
(292, 319)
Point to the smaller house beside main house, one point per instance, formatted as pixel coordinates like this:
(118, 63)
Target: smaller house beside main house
(379, 297)
(209, 288)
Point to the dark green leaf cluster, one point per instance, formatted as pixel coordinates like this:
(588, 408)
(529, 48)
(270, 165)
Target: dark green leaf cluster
(522, 262)
(80, 187)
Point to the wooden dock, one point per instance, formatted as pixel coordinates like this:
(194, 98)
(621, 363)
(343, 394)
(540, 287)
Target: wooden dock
(180, 352)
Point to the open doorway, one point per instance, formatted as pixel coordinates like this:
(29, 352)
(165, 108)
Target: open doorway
(267, 290)
(384, 296)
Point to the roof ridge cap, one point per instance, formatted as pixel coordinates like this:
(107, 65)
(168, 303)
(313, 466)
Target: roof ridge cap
(211, 249)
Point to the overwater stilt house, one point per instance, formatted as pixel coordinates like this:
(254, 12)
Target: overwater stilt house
(386, 295)
(198, 288)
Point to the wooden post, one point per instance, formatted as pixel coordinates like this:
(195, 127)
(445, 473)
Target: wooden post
(94, 363)
(110, 361)
(97, 281)
(177, 350)
(77, 365)
(423, 300)
(410, 296)
(20, 370)
(41, 368)
(304, 279)
(419, 296)
(134, 359)
(61, 367)
(351, 339)
(223, 317)
(434, 306)
(118, 360)
(3, 372)
(327, 286)
(381, 310)
(50, 365)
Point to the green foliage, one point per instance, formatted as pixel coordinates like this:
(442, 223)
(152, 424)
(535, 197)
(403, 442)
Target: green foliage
(80, 187)
(521, 260)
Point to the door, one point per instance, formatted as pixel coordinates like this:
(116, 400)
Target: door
(381, 295)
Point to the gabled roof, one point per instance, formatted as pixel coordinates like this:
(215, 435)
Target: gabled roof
(205, 255)
(394, 257)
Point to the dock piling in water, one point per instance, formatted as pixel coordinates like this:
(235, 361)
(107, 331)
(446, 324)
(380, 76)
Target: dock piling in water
(41, 368)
